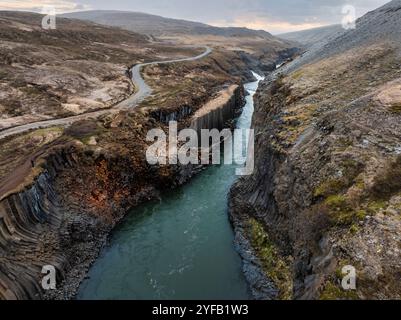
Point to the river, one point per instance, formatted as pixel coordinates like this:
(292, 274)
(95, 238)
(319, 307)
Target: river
(179, 247)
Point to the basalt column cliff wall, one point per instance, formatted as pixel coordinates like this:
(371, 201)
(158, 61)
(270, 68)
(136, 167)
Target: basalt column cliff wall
(325, 193)
(81, 192)
(28, 242)
(215, 114)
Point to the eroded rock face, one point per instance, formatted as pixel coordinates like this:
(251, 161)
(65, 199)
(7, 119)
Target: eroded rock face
(226, 105)
(325, 193)
(64, 216)
(28, 242)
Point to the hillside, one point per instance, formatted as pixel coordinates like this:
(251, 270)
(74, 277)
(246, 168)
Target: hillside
(314, 36)
(159, 26)
(259, 45)
(382, 24)
(78, 67)
(326, 191)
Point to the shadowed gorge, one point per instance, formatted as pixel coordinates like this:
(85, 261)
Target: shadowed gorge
(192, 218)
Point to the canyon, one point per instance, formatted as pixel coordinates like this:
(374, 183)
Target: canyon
(47, 221)
(65, 187)
(163, 249)
(325, 192)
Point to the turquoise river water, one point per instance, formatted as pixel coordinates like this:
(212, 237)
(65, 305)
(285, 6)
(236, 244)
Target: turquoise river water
(179, 247)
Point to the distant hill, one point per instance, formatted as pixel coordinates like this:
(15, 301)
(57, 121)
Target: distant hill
(312, 36)
(159, 26)
(265, 49)
(382, 24)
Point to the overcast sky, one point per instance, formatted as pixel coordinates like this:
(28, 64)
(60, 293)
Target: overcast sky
(275, 16)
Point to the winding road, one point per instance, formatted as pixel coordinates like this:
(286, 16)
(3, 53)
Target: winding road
(143, 91)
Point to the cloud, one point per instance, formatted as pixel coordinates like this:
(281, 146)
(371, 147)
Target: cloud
(271, 15)
(274, 27)
(61, 6)
(279, 16)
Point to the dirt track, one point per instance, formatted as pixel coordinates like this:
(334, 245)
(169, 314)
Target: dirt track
(17, 177)
(143, 91)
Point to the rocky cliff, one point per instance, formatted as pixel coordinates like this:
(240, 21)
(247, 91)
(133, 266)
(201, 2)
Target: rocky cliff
(321, 199)
(28, 220)
(326, 189)
(215, 113)
(81, 191)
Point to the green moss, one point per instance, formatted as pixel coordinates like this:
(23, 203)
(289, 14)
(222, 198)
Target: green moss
(337, 202)
(334, 292)
(343, 218)
(376, 206)
(297, 74)
(85, 140)
(341, 212)
(339, 273)
(354, 229)
(350, 169)
(361, 214)
(46, 131)
(333, 289)
(329, 187)
(85, 130)
(360, 183)
(274, 265)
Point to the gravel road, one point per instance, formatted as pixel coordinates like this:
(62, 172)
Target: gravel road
(143, 91)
